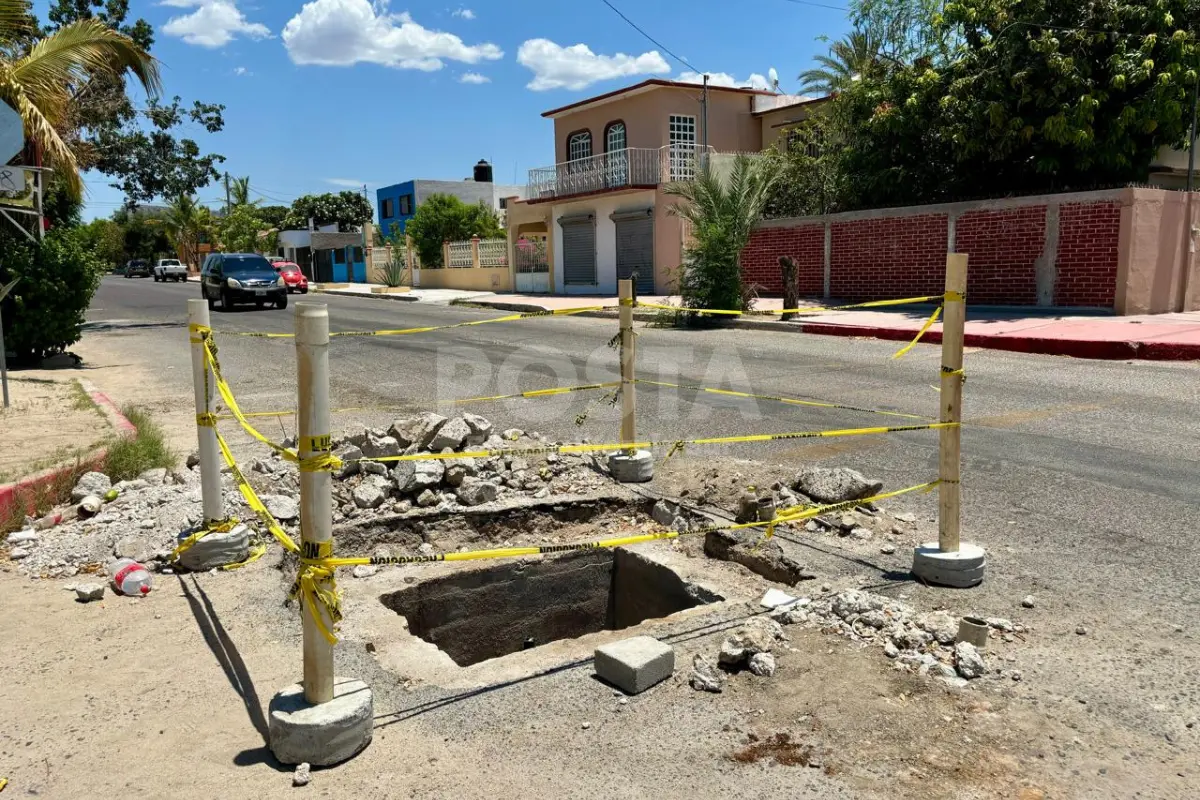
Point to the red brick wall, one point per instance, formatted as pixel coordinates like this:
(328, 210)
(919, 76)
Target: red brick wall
(905, 255)
(888, 257)
(1004, 247)
(1088, 241)
(806, 244)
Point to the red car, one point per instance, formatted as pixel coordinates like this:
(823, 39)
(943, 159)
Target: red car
(292, 277)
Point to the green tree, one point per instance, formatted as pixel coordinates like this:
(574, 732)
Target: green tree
(810, 178)
(722, 212)
(445, 218)
(144, 236)
(106, 239)
(273, 216)
(906, 30)
(348, 209)
(1041, 95)
(138, 147)
(849, 60)
(41, 77)
(239, 192)
(240, 230)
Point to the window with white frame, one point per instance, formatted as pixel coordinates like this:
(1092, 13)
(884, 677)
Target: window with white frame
(681, 135)
(617, 157)
(579, 145)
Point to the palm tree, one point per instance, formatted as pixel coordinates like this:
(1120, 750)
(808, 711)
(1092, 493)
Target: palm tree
(239, 192)
(722, 211)
(848, 59)
(186, 221)
(40, 79)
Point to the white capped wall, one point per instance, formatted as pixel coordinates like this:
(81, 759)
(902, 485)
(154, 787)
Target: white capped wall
(606, 238)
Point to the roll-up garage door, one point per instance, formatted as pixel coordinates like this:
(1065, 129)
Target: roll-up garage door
(579, 248)
(635, 247)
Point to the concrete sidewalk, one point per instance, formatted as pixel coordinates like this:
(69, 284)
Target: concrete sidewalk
(1162, 337)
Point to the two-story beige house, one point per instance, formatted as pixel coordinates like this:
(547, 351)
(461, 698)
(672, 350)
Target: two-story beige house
(600, 214)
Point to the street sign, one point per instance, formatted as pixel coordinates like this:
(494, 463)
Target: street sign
(12, 133)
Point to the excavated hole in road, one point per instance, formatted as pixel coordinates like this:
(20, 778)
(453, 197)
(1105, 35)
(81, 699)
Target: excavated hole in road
(486, 613)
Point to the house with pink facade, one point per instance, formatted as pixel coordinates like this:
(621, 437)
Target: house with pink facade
(599, 213)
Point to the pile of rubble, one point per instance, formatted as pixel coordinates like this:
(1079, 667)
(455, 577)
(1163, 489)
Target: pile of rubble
(366, 486)
(918, 642)
(139, 519)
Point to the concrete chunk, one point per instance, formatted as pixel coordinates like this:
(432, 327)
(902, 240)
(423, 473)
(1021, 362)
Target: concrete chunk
(634, 665)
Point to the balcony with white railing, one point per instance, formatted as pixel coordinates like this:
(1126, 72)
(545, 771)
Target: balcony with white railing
(630, 168)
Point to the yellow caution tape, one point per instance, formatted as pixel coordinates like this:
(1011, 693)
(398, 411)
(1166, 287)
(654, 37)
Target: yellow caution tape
(561, 312)
(542, 392)
(206, 420)
(231, 402)
(788, 400)
(251, 498)
(3, 783)
(806, 310)
(788, 516)
(924, 329)
(223, 526)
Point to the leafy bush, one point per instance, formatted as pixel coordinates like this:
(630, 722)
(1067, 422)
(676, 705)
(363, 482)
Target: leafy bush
(44, 312)
(445, 218)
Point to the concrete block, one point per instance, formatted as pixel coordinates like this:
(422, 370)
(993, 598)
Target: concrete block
(632, 468)
(959, 570)
(216, 549)
(634, 665)
(325, 734)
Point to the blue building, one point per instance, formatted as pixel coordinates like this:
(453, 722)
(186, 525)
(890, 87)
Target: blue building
(396, 204)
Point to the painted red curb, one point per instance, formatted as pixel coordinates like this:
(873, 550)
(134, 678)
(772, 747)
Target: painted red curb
(1074, 348)
(10, 492)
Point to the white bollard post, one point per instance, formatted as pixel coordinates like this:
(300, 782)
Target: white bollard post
(316, 488)
(324, 719)
(205, 388)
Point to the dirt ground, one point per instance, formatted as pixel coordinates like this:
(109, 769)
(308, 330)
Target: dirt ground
(165, 697)
(46, 423)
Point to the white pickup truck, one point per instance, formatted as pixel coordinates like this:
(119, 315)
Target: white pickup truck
(169, 269)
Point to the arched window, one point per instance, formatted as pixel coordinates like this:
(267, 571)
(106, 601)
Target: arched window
(579, 145)
(617, 172)
(614, 137)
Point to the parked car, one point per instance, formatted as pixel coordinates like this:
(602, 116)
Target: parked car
(169, 269)
(138, 268)
(236, 278)
(292, 276)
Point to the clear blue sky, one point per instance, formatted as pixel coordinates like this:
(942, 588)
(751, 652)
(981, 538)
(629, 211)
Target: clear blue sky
(334, 92)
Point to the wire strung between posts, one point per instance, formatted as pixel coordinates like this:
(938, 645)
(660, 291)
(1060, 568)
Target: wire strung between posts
(787, 400)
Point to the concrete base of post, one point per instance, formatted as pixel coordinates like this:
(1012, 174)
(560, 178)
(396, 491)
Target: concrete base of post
(216, 549)
(324, 734)
(959, 570)
(636, 467)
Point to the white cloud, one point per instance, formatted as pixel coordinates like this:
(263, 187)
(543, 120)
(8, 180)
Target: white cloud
(241, 71)
(473, 77)
(344, 32)
(214, 23)
(577, 67)
(755, 81)
(464, 13)
(349, 183)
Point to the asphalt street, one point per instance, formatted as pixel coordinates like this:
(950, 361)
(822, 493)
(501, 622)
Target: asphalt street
(1079, 477)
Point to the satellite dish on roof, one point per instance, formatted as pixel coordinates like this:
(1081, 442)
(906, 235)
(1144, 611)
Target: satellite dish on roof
(773, 77)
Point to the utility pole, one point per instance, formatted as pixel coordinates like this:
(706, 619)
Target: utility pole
(704, 106)
(1192, 142)
(227, 202)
